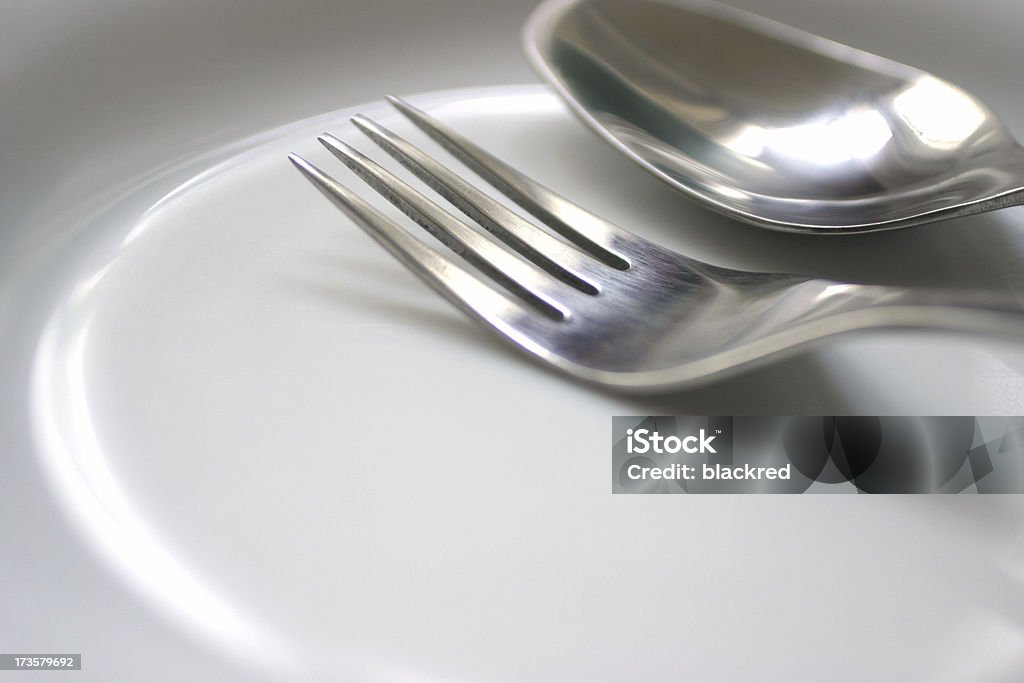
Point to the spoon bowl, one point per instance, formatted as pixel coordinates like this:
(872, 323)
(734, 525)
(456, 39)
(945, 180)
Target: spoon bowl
(773, 125)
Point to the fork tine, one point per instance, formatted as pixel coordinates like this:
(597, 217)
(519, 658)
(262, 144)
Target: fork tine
(535, 244)
(467, 291)
(508, 270)
(591, 233)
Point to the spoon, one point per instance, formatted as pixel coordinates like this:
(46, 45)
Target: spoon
(773, 125)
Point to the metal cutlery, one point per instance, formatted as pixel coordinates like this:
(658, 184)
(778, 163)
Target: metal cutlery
(599, 303)
(770, 124)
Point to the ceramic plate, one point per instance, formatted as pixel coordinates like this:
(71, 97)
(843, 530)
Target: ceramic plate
(287, 447)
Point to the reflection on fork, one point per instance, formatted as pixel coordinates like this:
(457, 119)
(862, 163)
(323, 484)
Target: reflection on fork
(603, 304)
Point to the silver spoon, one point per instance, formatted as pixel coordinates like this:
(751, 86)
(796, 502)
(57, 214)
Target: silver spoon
(773, 125)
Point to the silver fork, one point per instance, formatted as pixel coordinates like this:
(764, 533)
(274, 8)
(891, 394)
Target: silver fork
(600, 303)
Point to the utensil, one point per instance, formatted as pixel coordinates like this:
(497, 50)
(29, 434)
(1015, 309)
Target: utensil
(602, 304)
(772, 125)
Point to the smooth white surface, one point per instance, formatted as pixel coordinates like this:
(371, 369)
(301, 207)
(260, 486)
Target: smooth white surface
(293, 451)
(244, 444)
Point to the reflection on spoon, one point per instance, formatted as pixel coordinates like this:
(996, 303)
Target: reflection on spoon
(773, 125)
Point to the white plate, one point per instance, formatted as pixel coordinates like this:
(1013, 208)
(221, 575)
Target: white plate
(291, 449)
(246, 444)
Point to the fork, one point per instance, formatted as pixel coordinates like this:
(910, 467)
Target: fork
(600, 303)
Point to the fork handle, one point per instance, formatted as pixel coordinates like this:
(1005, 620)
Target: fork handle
(969, 311)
